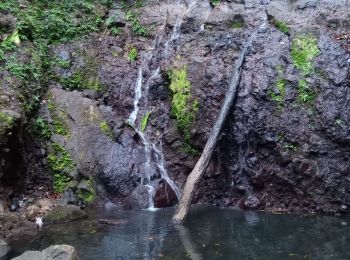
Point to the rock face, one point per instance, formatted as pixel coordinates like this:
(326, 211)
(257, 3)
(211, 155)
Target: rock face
(64, 214)
(286, 140)
(59, 252)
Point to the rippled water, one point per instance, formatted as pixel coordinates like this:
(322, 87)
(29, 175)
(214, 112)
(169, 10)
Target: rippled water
(210, 233)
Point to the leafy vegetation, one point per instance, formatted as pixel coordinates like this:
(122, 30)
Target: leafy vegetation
(58, 120)
(237, 24)
(60, 164)
(215, 2)
(305, 94)
(43, 23)
(106, 129)
(304, 51)
(6, 122)
(132, 55)
(136, 26)
(80, 81)
(278, 92)
(282, 26)
(89, 195)
(184, 106)
(279, 95)
(41, 128)
(144, 121)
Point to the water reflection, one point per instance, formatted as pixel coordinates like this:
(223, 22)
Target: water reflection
(210, 233)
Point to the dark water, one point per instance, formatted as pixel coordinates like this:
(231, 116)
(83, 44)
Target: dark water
(210, 233)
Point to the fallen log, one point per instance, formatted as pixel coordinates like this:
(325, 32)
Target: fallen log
(195, 176)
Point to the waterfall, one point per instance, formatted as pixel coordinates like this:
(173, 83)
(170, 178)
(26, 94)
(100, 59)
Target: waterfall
(153, 151)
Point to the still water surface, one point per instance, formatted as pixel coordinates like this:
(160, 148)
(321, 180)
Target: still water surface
(209, 233)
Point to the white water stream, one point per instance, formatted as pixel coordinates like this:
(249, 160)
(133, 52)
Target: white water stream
(154, 154)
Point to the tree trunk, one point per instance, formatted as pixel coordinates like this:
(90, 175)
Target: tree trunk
(195, 176)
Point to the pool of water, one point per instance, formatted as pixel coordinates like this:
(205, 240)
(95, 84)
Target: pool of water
(209, 233)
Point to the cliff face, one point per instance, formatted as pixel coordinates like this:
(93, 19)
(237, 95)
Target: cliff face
(286, 142)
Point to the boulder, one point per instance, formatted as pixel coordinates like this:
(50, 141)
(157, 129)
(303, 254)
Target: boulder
(64, 214)
(4, 248)
(32, 212)
(56, 252)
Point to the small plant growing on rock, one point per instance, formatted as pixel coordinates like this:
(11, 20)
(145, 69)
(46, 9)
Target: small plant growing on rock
(60, 164)
(282, 26)
(106, 129)
(305, 94)
(144, 121)
(41, 128)
(132, 55)
(6, 122)
(304, 51)
(183, 106)
(215, 2)
(136, 26)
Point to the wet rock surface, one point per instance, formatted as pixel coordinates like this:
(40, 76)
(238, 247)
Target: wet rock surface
(60, 252)
(291, 155)
(64, 214)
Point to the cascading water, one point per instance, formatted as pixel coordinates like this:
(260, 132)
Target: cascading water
(154, 154)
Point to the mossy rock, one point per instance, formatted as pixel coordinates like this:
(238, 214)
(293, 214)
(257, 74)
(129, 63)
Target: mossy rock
(64, 214)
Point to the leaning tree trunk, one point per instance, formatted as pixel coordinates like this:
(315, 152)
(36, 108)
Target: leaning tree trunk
(195, 176)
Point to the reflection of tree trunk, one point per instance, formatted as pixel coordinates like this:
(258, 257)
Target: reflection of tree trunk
(185, 238)
(203, 162)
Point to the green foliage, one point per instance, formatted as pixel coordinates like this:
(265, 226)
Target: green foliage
(58, 120)
(278, 92)
(6, 122)
(10, 42)
(60, 164)
(41, 129)
(44, 22)
(57, 21)
(136, 26)
(291, 147)
(80, 81)
(304, 51)
(132, 55)
(282, 26)
(338, 121)
(144, 121)
(183, 107)
(88, 196)
(106, 129)
(280, 95)
(237, 24)
(305, 94)
(215, 2)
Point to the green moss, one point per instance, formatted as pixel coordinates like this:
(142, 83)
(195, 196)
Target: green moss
(6, 123)
(278, 92)
(282, 26)
(305, 94)
(304, 51)
(183, 106)
(106, 129)
(60, 164)
(90, 195)
(279, 96)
